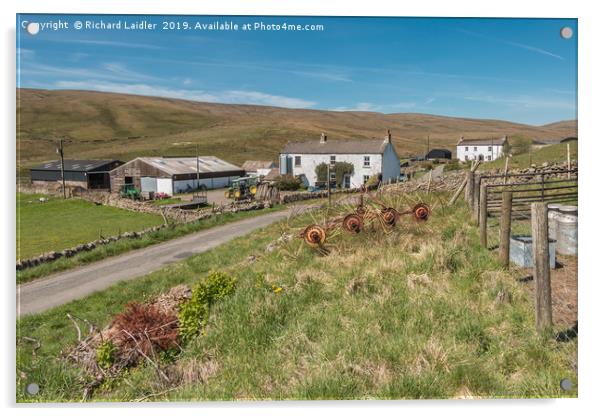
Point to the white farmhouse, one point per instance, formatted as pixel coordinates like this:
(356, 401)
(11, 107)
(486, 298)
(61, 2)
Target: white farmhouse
(480, 149)
(368, 157)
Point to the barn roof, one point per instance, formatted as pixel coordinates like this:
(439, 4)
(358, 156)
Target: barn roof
(187, 165)
(353, 146)
(253, 165)
(482, 142)
(76, 165)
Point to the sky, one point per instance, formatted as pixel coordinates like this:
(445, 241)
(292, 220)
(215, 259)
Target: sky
(520, 70)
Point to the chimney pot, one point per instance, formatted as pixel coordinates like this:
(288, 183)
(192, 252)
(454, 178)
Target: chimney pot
(323, 138)
(388, 136)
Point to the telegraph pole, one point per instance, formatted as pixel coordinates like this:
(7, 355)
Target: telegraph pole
(328, 182)
(60, 152)
(197, 167)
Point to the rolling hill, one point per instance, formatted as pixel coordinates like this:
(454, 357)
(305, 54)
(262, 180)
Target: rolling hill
(121, 126)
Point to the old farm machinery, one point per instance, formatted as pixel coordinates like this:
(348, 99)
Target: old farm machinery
(369, 212)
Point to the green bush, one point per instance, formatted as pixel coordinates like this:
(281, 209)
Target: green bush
(194, 313)
(288, 183)
(520, 145)
(105, 354)
(340, 169)
(372, 182)
(453, 165)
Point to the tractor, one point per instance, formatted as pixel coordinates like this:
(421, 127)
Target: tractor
(242, 188)
(130, 191)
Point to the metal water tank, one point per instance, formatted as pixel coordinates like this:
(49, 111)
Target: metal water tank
(566, 230)
(553, 212)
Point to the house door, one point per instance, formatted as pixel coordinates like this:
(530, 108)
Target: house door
(347, 181)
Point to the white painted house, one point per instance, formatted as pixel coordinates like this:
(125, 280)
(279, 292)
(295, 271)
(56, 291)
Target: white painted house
(480, 149)
(368, 157)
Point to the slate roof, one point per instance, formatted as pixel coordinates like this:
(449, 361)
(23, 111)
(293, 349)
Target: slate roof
(334, 147)
(186, 165)
(482, 142)
(74, 165)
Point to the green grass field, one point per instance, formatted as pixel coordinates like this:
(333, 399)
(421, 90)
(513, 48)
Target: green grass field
(555, 153)
(59, 224)
(411, 314)
(121, 246)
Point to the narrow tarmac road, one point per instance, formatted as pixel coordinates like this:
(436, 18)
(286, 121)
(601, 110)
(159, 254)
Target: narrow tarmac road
(57, 289)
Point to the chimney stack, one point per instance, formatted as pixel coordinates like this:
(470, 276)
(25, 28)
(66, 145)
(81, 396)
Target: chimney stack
(388, 136)
(323, 138)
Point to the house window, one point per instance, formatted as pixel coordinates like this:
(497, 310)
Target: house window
(366, 161)
(366, 178)
(297, 161)
(488, 157)
(333, 160)
(466, 148)
(490, 148)
(465, 157)
(475, 148)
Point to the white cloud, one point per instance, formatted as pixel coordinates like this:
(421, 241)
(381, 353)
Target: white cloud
(366, 106)
(323, 75)
(523, 101)
(108, 71)
(226, 97)
(531, 48)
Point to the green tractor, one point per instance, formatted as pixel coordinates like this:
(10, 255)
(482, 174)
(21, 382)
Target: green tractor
(130, 191)
(242, 188)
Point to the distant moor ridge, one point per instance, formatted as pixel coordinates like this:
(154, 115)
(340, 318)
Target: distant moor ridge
(102, 125)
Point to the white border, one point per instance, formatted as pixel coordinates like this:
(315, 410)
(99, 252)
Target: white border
(589, 125)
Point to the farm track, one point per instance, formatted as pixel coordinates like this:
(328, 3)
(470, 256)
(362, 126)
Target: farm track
(57, 289)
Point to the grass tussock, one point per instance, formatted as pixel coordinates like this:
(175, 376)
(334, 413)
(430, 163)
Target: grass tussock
(420, 312)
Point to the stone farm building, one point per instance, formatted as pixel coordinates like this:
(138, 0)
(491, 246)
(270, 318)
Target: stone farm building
(480, 149)
(173, 175)
(258, 167)
(85, 174)
(368, 157)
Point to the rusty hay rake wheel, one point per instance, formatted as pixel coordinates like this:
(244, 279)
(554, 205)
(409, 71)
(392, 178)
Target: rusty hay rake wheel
(353, 223)
(314, 236)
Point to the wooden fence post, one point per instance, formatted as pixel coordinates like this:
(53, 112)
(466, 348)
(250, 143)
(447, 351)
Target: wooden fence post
(505, 228)
(476, 198)
(469, 188)
(541, 261)
(483, 215)
(568, 160)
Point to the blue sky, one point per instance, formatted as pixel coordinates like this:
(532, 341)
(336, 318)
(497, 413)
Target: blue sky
(520, 70)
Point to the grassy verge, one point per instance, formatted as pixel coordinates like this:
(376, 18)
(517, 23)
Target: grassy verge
(121, 246)
(416, 313)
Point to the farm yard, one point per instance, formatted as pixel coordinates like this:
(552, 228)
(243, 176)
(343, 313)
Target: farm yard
(449, 321)
(58, 224)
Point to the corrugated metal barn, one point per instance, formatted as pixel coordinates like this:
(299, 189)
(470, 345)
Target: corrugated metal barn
(173, 175)
(87, 174)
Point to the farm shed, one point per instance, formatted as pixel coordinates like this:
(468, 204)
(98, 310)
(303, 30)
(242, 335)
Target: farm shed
(438, 154)
(173, 175)
(87, 174)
